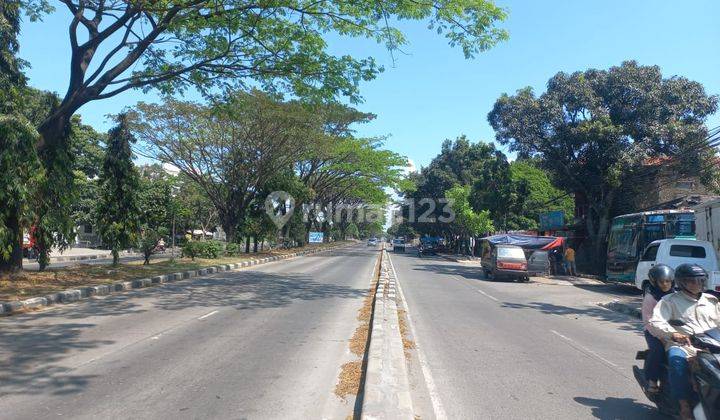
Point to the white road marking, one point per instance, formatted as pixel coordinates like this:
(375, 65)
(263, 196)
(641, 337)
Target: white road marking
(208, 314)
(487, 295)
(584, 349)
(429, 382)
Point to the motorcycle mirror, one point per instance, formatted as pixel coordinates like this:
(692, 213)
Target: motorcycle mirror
(676, 323)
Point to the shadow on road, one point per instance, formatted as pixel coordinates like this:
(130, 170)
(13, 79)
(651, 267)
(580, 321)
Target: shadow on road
(587, 311)
(33, 346)
(249, 290)
(612, 408)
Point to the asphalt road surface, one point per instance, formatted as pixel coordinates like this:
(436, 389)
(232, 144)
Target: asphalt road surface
(504, 350)
(266, 342)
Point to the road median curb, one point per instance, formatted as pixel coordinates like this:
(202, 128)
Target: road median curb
(387, 386)
(82, 293)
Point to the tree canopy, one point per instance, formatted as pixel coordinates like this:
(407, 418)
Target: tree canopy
(594, 130)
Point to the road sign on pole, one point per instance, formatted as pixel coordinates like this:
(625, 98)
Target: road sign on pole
(316, 237)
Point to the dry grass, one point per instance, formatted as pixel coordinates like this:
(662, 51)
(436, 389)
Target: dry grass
(29, 284)
(407, 343)
(349, 381)
(351, 372)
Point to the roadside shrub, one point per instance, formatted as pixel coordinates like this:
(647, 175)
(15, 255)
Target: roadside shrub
(190, 249)
(233, 249)
(210, 249)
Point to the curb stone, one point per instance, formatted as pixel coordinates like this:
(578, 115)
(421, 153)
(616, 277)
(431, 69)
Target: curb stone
(74, 295)
(387, 385)
(623, 308)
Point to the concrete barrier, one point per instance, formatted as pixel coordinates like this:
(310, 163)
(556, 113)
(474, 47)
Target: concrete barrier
(387, 386)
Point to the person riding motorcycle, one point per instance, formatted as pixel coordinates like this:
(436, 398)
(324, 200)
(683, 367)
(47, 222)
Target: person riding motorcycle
(699, 312)
(661, 283)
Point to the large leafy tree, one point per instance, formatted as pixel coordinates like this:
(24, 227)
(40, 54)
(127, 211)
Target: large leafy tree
(120, 45)
(594, 129)
(459, 163)
(18, 182)
(231, 150)
(117, 208)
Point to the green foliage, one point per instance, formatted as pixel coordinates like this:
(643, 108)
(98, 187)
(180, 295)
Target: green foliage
(148, 241)
(117, 207)
(541, 197)
(207, 47)
(18, 183)
(469, 222)
(594, 130)
(233, 249)
(202, 249)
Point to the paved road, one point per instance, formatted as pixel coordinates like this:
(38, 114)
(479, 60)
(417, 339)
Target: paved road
(261, 343)
(503, 350)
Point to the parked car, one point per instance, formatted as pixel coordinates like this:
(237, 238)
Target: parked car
(372, 242)
(398, 245)
(505, 261)
(674, 252)
(538, 263)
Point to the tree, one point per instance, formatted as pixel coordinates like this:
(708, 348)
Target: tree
(231, 149)
(117, 208)
(18, 182)
(462, 163)
(593, 131)
(467, 223)
(210, 43)
(155, 204)
(541, 196)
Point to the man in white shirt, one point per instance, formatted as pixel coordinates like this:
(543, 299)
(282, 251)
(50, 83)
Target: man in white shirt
(698, 313)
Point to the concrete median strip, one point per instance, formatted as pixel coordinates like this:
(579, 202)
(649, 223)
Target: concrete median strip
(387, 387)
(74, 295)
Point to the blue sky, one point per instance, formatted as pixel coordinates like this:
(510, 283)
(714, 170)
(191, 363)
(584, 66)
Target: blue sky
(433, 93)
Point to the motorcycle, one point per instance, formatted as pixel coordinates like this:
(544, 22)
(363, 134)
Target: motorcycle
(704, 373)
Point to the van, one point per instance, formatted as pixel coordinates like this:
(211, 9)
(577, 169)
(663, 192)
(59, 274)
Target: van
(506, 261)
(673, 252)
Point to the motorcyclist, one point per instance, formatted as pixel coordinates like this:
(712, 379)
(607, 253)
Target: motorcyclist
(699, 312)
(661, 282)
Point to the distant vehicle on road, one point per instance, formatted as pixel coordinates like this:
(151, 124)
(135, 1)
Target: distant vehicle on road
(505, 261)
(538, 263)
(673, 252)
(631, 233)
(398, 245)
(372, 242)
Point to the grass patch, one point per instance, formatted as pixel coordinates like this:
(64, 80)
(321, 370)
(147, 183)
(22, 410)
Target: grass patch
(28, 284)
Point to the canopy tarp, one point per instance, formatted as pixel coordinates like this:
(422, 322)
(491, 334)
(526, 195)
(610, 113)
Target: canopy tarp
(526, 241)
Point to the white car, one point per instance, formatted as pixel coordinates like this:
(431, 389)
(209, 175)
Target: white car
(372, 242)
(673, 252)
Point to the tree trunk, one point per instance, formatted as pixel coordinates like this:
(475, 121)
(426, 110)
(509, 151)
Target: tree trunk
(116, 257)
(247, 245)
(15, 263)
(255, 244)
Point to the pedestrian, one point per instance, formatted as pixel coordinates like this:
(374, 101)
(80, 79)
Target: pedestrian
(570, 267)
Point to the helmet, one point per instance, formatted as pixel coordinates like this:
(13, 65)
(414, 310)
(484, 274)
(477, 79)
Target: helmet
(686, 272)
(660, 272)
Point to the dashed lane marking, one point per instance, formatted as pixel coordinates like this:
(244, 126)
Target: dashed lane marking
(488, 296)
(208, 314)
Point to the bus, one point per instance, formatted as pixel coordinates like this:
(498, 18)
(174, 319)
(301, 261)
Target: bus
(631, 233)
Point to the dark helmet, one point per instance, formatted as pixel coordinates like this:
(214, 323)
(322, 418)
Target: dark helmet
(685, 272)
(661, 272)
